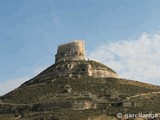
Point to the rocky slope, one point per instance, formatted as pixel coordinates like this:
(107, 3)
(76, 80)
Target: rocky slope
(62, 93)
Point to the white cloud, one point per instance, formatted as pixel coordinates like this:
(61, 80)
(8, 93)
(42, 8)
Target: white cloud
(134, 59)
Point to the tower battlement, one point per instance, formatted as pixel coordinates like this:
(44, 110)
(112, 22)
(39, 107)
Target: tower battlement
(71, 51)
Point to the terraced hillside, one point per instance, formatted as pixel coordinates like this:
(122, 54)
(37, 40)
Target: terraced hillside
(79, 98)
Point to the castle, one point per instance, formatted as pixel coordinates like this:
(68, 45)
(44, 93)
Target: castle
(70, 51)
(70, 62)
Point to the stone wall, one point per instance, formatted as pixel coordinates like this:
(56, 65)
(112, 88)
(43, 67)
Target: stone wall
(70, 51)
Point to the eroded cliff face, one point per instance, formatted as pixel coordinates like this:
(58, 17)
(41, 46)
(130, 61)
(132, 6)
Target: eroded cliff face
(101, 72)
(77, 68)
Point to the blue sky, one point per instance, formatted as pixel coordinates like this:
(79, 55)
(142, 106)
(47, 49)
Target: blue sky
(31, 30)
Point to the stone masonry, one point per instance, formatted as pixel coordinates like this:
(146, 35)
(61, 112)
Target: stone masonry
(70, 51)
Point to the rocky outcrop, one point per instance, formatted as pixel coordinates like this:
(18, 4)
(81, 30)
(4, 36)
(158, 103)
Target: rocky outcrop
(77, 68)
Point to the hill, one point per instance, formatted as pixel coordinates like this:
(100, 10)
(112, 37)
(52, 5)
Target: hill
(78, 97)
(77, 89)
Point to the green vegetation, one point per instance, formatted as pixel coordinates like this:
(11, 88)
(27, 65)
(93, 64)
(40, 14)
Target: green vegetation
(48, 91)
(78, 98)
(38, 101)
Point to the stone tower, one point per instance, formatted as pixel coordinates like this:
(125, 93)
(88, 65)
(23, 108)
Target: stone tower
(70, 62)
(71, 51)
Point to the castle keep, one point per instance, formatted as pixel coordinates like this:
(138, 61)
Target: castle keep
(70, 62)
(70, 51)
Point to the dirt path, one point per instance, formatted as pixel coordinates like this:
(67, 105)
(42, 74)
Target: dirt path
(143, 94)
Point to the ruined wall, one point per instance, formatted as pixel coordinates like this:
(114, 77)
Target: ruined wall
(70, 51)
